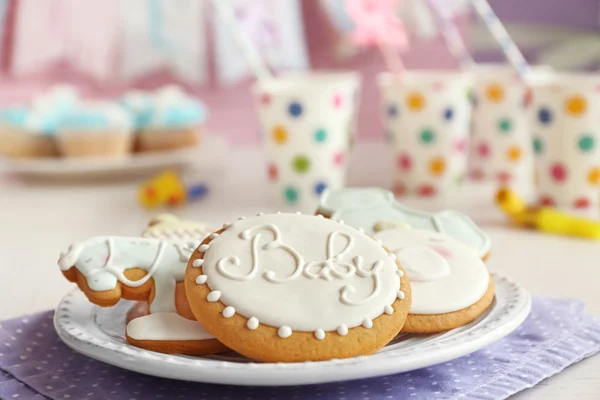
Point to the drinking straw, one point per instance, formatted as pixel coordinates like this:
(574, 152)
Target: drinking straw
(457, 46)
(249, 51)
(376, 24)
(508, 46)
(451, 34)
(391, 58)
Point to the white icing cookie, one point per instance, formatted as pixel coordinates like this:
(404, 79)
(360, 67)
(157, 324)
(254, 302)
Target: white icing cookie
(166, 326)
(445, 275)
(103, 261)
(299, 273)
(366, 207)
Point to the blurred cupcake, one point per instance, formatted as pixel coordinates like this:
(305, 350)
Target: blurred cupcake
(25, 133)
(139, 106)
(57, 101)
(95, 129)
(175, 121)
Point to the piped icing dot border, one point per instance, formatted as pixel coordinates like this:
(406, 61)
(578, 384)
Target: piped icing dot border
(213, 296)
(252, 323)
(203, 248)
(228, 312)
(197, 263)
(285, 331)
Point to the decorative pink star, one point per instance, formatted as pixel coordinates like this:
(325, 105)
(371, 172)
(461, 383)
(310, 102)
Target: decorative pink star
(376, 23)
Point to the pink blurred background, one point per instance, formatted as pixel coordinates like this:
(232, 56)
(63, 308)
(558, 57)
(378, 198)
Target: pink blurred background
(232, 112)
(549, 37)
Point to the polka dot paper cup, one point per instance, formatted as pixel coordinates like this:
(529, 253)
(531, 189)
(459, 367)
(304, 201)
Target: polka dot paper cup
(501, 136)
(565, 121)
(307, 122)
(427, 118)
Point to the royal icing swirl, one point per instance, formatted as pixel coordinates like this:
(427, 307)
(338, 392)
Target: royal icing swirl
(445, 275)
(103, 261)
(300, 273)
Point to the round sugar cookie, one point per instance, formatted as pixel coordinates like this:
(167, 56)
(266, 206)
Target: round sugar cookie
(292, 288)
(451, 285)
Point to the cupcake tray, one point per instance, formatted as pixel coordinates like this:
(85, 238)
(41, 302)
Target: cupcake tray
(135, 164)
(99, 333)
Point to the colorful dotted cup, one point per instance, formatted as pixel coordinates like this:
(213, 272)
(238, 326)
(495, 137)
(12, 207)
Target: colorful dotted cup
(501, 136)
(427, 116)
(307, 121)
(565, 121)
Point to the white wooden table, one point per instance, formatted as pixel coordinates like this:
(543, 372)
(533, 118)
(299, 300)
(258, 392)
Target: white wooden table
(38, 221)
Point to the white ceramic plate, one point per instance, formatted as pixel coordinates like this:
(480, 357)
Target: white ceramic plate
(135, 164)
(98, 333)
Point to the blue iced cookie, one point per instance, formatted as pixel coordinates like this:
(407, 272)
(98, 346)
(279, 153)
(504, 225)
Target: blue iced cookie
(366, 207)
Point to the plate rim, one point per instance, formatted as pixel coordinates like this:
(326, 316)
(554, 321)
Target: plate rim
(57, 165)
(208, 370)
(81, 166)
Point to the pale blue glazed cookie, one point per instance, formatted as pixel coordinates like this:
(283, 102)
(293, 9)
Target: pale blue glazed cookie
(366, 207)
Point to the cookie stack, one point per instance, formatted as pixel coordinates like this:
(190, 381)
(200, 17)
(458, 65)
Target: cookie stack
(285, 287)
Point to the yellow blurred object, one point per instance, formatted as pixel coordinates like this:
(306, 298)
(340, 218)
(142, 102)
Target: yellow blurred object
(164, 189)
(545, 219)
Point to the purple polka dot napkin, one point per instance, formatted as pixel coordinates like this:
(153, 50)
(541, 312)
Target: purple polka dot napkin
(35, 364)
